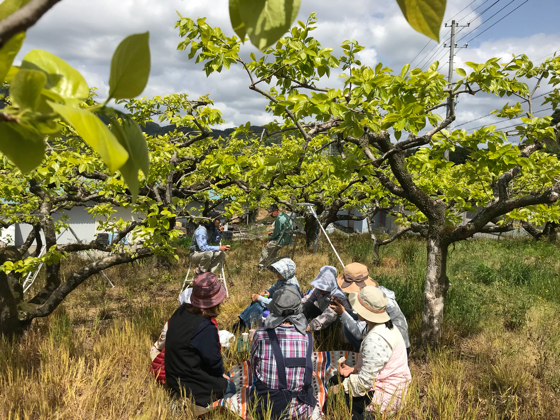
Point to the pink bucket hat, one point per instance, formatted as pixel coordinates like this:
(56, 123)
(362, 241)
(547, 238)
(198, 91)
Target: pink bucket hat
(208, 291)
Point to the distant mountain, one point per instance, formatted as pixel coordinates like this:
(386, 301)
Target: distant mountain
(154, 129)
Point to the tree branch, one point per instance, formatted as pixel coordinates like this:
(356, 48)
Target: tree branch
(24, 18)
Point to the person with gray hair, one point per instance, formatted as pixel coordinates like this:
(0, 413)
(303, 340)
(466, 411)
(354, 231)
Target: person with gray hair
(281, 361)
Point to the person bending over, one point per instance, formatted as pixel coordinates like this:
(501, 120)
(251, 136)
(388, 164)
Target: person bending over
(353, 279)
(193, 360)
(206, 257)
(285, 270)
(316, 303)
(279, 237)
(381, 375)
(281, 361)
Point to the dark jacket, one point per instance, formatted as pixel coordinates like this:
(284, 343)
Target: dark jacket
(193, 361)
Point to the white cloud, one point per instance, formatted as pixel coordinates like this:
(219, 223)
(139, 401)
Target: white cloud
(85, 33)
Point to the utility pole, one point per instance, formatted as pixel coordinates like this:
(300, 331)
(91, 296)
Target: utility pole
(452, 47)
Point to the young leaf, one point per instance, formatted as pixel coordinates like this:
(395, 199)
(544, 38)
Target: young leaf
(8, 53)
(267, 20)
(23, 147)
(461, 72)
(7, 7)
(26, 88)
(132, 139)
(130, 67)
(236, 21)
(62, 78)
(94, 133)
(424, 15)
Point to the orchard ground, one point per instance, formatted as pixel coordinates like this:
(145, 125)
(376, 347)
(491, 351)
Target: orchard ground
(499, 358)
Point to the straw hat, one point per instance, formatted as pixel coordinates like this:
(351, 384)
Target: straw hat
(371, 304)
(355, 277)
(208, 291)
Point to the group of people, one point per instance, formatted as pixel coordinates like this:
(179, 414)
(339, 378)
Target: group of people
(281, 352)
(206, 257)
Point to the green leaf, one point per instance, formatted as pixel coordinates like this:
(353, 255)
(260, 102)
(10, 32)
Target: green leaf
(236, 21)
(9, 52)
(95, 134)
(461, 72)
(26, 88)
(267, 20)
(62, 78)
(130, 67)
(130, 136)
(424, 15)
(23, 147)
(7, 7)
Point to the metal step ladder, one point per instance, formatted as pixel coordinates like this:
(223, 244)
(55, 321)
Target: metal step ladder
(188, 281)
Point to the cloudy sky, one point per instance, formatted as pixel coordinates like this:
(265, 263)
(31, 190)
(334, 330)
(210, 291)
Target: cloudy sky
(85, 33)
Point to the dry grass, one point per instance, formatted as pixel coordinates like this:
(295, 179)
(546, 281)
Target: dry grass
(90, 359)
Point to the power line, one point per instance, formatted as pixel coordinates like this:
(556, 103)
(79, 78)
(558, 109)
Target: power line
(429, 60)
(424, 61)
(545, 56)
(455, 15)
(501, 122)
(476, 36)
(478, 7)
(420, 52)
(487, 20)
(489, 115)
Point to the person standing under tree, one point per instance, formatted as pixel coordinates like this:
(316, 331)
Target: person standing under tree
(279, 237)
(206, 257)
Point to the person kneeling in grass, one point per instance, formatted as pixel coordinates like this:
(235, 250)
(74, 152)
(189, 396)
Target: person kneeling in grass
(193, 360)
(316, 303)
(285, 270)
(281, 361)
(380, 378)
(353, 279)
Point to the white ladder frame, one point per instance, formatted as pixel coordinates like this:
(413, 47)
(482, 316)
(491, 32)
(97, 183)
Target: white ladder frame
(190, 281)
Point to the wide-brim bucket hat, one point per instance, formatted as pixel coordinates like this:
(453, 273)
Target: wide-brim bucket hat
(354, 278)
(371, 304)
(208, 291)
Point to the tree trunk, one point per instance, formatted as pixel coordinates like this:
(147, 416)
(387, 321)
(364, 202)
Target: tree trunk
(436, 286)
(375, 254)
(311, 227)
(11, 297)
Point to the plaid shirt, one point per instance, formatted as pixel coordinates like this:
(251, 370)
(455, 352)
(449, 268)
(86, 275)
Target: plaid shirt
(263, 363)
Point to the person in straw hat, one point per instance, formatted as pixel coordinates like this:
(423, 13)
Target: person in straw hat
(281, 361)
(353, 279)
(380, 378)
(193, 359)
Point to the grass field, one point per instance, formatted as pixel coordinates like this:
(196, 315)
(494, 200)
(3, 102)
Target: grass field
(499, 359)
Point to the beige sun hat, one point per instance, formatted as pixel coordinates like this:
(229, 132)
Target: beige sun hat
(354, 278)
(371, 304)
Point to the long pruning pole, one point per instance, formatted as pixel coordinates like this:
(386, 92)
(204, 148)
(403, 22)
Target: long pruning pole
(312, 210)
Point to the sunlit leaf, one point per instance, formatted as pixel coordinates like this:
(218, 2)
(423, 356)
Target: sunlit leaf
(26, 87)
(8, 53)
(130, 136)
(7, 7)
(23, 147)
(130, 67)
(424, 15)
(62, 78)
(267, 20)
(96, 134)
(235, 18)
